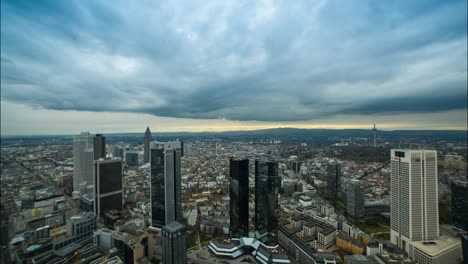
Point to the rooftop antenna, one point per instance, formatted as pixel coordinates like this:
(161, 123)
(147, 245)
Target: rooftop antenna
(375, 136)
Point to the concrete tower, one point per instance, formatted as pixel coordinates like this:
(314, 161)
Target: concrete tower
(414, 197)
(80, 167)
(147, 141)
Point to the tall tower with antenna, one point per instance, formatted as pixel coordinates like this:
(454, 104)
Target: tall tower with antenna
(375, 136)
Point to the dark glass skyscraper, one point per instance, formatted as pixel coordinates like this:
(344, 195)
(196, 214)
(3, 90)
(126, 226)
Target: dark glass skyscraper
(460, 204)
(267, 185)
(147, 141)
(355, 200)
(166, 200)
(108, 179)
(174, 244)
(333, 177)
(239, 196)
(99, 146)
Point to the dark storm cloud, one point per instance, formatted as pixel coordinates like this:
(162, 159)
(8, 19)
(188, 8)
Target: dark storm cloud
(268, 61)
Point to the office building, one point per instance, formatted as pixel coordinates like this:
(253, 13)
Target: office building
(355, 200)
(99, 146)
(239, 197)
(267, 185)
(414, 197)
(146, 146)
(79, 226)
(174, 244)
(108, 193)
(103, 238)
(166, 200)
(333, 177)
(118, 152)
(81, 167)
(460, 204)
(441, 251)
(131, 157)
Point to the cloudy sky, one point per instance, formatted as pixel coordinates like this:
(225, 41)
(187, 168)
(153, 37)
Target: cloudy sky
(118, 66)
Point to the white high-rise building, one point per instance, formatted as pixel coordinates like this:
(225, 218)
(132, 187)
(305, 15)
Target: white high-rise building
(80, 166)
(88, 159)
(414, 197)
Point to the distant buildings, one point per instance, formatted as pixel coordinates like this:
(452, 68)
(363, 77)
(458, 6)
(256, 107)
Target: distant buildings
(147, 141)
(166, 200)
(131, 157)
(108, 193)
(460, 204)
(82, 168)
(99, 146)
(239, 197)
(267, 185)
(174, 244)
(355, 200)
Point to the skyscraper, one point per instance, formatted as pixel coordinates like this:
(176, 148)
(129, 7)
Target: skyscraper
(267, 185)
(80, 167)
(414, 197)
(239, 196)
(174, 244)
(147, 141)
(166, 200)
(333, 177)
(460, 204)
(355, 200)
(99, 146)
(108, 193)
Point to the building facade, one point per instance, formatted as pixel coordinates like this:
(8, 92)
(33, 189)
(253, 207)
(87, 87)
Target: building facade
(414, 197)
(460, 204)
(99, 146)
(108, 191)
(239, 197)
(166, 199)
(267, 185)
(174, 244)
(81, 168)
(333, 177)
(355, 200)
(146, 145)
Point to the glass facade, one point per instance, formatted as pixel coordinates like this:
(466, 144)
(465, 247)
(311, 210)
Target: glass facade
(109, 182)
(239, 197)
(110, 176)
(166, 197)
(267, 185)
(460, 204)
(333, 177)
(157, 187)
(99, 146)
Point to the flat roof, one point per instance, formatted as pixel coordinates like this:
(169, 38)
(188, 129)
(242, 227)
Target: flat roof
(68, 249)
(435, 247)
(174, 227)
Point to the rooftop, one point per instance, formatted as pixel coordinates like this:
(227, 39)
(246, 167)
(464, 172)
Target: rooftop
(174, 227)
(435, 247)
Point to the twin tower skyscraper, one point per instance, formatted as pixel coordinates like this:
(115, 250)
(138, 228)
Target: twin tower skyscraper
(267, 185)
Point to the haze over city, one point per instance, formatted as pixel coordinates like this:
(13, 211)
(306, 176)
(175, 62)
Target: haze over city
(216, 66)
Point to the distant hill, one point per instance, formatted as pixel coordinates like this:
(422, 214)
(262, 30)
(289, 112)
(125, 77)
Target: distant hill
(449, 135)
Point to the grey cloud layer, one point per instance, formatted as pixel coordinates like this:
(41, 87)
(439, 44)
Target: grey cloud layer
(272, 61)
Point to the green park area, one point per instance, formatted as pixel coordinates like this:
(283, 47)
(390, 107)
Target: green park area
(376, 225)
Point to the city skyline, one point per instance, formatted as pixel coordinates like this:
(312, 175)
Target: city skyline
(269, 64)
